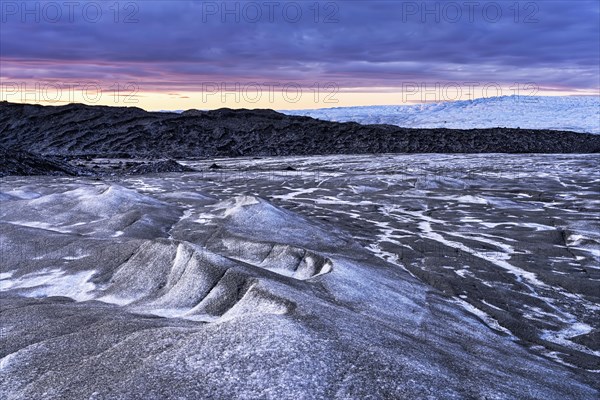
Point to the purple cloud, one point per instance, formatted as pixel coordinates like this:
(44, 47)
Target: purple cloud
(178, 45)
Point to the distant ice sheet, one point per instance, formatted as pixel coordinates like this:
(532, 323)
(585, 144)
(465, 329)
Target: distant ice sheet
(570, 113)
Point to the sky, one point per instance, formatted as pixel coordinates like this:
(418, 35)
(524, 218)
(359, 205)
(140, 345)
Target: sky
(170, 55)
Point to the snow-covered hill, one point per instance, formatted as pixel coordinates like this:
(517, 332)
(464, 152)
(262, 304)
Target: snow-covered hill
(573, 113)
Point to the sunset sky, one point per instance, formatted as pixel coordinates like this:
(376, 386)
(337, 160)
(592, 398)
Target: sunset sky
(288, 55)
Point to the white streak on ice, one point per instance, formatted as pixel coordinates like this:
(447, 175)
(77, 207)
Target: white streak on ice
(6, 275)
(53, 282)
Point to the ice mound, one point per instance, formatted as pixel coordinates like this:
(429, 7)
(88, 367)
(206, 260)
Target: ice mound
(160, 260)
(256, 232)
(256, 218)
(162, 277)
(99, 210)
(294, 262)
(101, 200)
(175, 279)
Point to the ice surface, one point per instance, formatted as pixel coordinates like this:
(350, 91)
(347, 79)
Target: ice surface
(365, 276)
(570, 113)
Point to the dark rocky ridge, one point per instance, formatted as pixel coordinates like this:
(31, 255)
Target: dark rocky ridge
(23, 163)
(79, 130)
(159, 167)
(16, 162)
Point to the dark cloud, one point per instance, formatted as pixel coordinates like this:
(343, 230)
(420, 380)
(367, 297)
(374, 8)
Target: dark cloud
(177, 45)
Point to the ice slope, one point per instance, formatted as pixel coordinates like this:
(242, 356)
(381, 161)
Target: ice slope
(229, 296)
(571, 113)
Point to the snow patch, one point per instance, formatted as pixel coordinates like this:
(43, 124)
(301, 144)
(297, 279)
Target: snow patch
(53, 282)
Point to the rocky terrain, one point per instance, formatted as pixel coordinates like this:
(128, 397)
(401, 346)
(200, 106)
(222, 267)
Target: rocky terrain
(117, 132)
(17, 162)
(23, 163)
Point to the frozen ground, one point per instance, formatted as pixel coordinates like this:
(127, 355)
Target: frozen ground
(390, 276)
(568, 113)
